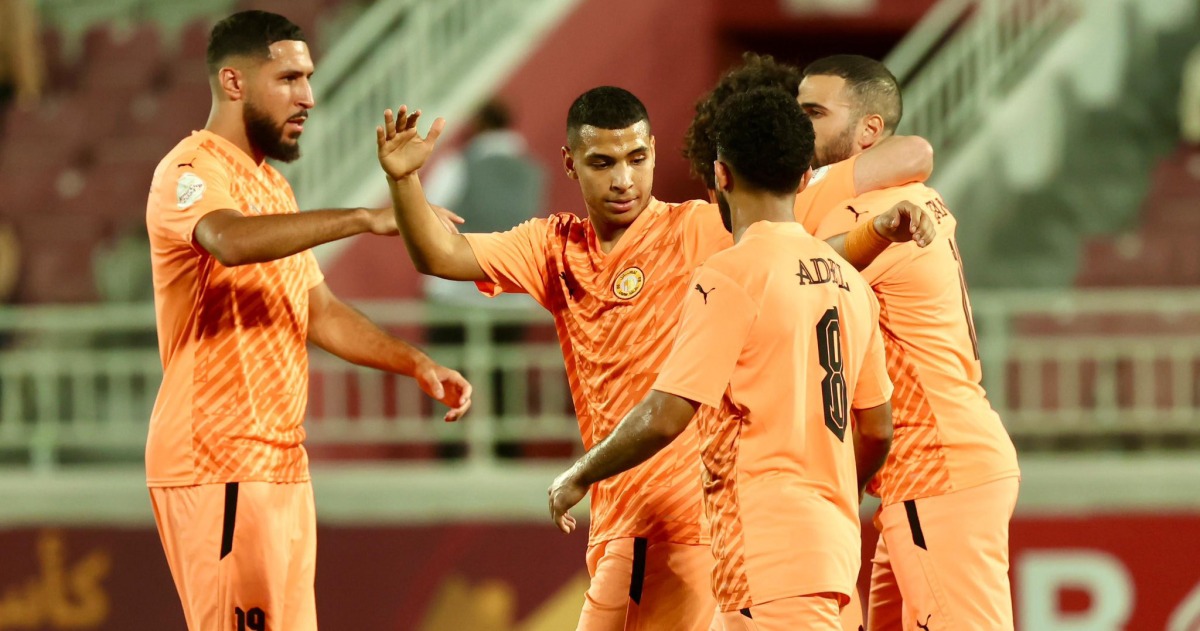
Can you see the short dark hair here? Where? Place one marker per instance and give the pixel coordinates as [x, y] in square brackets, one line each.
[248, 34]
[605, 107]
[765, 139]
[873, 86]
[756, 71]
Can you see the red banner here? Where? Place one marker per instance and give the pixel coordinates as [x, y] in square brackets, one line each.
[1094, 573]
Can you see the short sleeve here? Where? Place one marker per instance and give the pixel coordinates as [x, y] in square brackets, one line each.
[312, 270]
[874, 387]
[829, 185]
[703, 233]
[714, 327]
[516, 261]
[191, 186]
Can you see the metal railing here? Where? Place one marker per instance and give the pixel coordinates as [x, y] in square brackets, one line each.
[965, 55]
[79, 383]
[444, 57]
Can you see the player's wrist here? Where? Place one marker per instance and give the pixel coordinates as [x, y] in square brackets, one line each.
[864, 243]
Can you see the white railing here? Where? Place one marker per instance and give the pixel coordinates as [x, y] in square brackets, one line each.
[965, 55]
[442, 56]
[79, 383]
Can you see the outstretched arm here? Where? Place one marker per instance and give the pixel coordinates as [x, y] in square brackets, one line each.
[645, 431]
[402, 152]
[894, 161]
[345, 332]
[235, 239]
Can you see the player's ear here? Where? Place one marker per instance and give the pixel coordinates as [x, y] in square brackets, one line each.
[232, 82]
[724, 179]
[569, 164]
[804, 180]
[872, 131]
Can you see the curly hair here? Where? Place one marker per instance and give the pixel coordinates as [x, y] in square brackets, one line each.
[765, 139]
[756, 71]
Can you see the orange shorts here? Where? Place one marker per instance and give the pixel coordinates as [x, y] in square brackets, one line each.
[243, 555]
[815, 612]
[942, 562]
[638, 585]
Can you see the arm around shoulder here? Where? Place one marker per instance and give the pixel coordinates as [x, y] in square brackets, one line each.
[895, 161]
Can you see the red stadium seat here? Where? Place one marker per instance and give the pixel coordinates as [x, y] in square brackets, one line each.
[131, 60]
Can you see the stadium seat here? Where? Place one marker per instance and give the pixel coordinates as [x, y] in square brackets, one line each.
[57, 256]
[130, 60]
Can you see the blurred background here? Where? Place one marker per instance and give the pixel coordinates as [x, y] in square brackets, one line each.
[1067, 138]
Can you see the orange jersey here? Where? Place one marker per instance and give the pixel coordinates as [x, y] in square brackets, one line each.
[615, 314]
[232, 339]
[830, 185]
[780, 336]
[947, 436]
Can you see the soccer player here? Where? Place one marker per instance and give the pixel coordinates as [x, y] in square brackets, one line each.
[779, 337]
[890, 161]
[950, 483]
[238, 295]
[614, 282]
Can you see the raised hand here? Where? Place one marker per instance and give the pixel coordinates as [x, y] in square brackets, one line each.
[402, 151]
[906, 222]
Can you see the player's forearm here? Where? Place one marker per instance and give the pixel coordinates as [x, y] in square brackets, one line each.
[432, 248]
[872, 441]
[346, 333]
[646, 430]
[237, 240]
[895, 161]
[860, 247]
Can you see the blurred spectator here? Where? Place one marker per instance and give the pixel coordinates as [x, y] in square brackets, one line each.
[22, 72]
[494, 184]
[1189, 100]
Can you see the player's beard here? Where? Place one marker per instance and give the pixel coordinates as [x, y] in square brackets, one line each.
[726, 211]
[267, 136]
[837, 149]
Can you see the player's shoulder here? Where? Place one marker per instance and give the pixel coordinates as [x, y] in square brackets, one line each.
[192, 155]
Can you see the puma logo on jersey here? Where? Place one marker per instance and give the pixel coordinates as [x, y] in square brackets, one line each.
[857, 213]
[190, 165]
[570, 285]
[925, 626]
[704, 293]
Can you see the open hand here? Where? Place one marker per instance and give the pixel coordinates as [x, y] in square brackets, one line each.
[565, 492]
[906, 222]
[447, 386]
[402, 151]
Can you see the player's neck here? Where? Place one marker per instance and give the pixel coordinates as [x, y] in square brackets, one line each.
[230, 126]
[749, 209]
[607, 236]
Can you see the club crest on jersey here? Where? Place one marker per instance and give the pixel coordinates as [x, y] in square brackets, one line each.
[629, 283]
